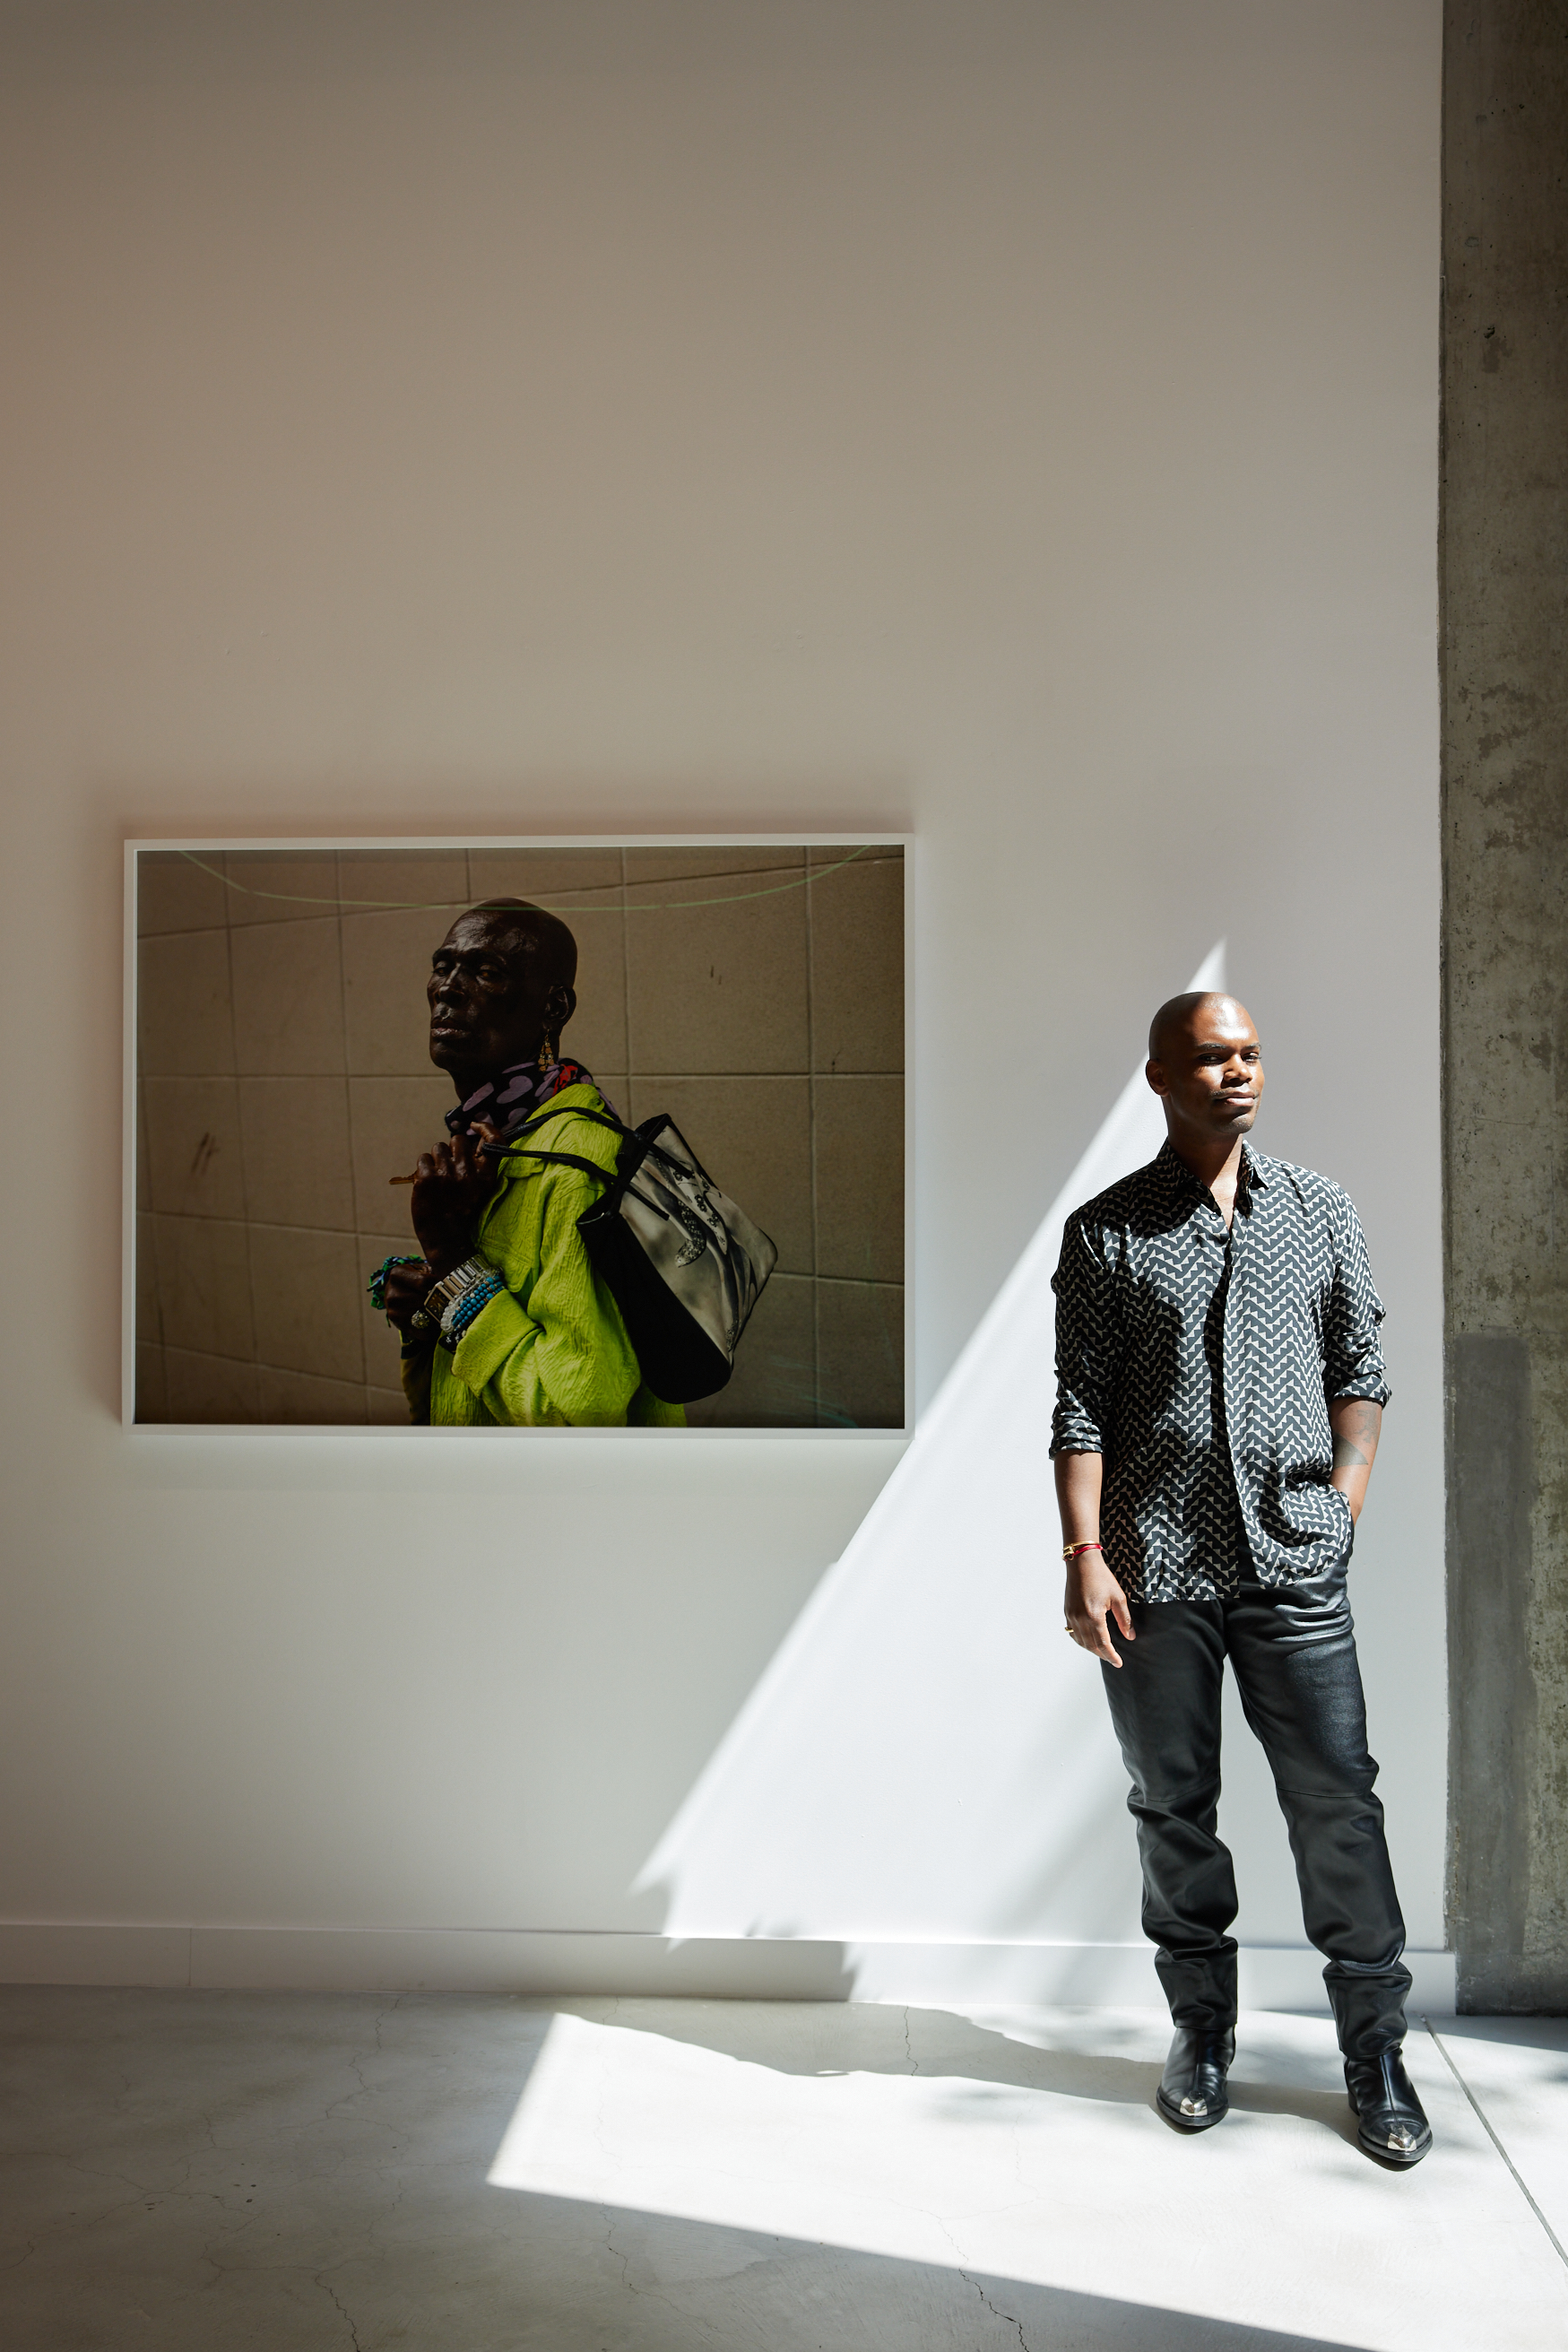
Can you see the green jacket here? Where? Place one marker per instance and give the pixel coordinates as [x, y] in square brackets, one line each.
[551, 1351]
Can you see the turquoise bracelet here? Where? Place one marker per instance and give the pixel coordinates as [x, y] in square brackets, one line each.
[468, 1308]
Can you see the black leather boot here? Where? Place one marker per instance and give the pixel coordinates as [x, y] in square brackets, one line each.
[1192, 2093]
[1391, 2123]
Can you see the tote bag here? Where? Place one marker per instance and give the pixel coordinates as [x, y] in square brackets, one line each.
[684, 1264]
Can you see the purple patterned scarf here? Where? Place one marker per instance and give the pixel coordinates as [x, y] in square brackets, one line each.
[509, 1099]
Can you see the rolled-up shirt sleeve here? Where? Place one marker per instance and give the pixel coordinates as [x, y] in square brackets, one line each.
[1080, 1424]
[1353, 1319]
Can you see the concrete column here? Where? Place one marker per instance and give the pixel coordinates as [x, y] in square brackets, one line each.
[1505, 585]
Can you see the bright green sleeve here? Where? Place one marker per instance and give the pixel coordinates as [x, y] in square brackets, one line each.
[556, 1355]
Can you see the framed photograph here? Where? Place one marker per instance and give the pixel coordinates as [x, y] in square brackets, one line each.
[513, 1134]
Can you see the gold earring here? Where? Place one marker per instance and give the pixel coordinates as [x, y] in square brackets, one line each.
[550, 1053]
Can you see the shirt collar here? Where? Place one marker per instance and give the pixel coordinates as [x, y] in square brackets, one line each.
[1253, 1177]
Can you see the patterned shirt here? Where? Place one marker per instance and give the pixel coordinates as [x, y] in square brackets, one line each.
[1200, 1362]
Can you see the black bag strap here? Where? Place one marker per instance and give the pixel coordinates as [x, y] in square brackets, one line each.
[591, 1168]
[564, 1110]
[597, 1119]
[570, 1160]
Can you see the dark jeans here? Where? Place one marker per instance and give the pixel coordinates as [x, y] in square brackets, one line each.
[1294, 1650]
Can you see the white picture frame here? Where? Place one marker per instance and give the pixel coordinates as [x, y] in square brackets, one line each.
[212, 854]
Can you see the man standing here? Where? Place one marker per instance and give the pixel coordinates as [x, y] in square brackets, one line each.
[1220, 1391]
[503, 1318]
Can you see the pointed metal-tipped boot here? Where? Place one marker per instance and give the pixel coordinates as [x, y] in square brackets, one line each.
[1193, 2093]
[1391, 2123]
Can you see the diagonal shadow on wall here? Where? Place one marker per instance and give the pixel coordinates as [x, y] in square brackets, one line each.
[923, 1759]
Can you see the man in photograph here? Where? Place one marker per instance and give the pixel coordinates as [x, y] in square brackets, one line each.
[502, 1317]
[1220, 1391]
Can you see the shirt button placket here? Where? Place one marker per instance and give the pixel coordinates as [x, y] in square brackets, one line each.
[1227, 1394]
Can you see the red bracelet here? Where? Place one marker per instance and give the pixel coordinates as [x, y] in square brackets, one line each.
[1071, 1551]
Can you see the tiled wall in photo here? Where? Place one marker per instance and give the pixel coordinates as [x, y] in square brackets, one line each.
[284, 1077]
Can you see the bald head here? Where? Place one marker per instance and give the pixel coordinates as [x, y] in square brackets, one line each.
[501, 988]
[1177, 1013]
[1206, 1067]
[530, 931]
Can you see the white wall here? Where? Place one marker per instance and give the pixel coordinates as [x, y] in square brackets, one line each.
[1012, 422]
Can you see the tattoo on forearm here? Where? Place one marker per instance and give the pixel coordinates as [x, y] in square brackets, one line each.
[1356, 1441]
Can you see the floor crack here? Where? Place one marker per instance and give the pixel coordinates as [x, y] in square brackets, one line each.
[381, 2015]
[1006, 2316]
[356, 2069]
[342, 2307]
[612, 2248]
[908, 2047]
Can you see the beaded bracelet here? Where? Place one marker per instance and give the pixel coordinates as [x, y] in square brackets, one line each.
[466, 1309]
[376, 1288]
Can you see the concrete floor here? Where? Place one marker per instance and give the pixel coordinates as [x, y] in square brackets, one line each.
[236, 2172]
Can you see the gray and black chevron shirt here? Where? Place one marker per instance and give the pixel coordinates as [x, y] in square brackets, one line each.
[1200, 1363]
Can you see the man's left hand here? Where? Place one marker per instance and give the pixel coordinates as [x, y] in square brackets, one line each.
[451, 1186]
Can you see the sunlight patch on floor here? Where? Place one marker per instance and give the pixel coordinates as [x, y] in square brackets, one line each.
[1024, 2145]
